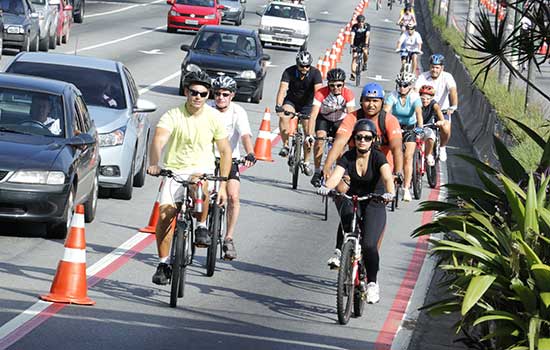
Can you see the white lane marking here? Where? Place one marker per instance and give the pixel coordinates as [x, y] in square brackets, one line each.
[378, 77]
[324, 12]
[122, 9]
[269, 64]
[152, 52]
[22, 318]
[159, 82]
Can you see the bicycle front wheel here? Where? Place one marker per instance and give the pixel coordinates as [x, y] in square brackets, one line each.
[297, 162]
[176, 282]
[359, 296]
[325, 201]
[417, 174]
[358, 67]
[215, 231]
[345, 287]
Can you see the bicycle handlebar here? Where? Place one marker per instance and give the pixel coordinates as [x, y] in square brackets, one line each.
[326, 138]
[370, 196]
[300, 116]
[170, 173]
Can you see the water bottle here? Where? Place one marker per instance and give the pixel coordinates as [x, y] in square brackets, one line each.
[198, 199]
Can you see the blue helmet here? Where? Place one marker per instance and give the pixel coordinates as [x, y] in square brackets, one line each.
[437, 59]
[373, 90]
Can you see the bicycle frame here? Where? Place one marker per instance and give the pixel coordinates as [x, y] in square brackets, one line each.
[296, 142]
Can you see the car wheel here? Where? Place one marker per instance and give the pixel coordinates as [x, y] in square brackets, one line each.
[58, 39]
[125, 192]
[79, 18]
[262, 43]
[139, 178]
[104, 192]
[259, 94]
[171, 30]
[59, 230]
[53, 40]
[91, 204]
[239, 21]
[44, 44]
[65, 38]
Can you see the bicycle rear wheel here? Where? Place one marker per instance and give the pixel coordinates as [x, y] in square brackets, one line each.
[297, 160]
[431, 171]
[214, 226]
[417, 174]
[325, 202]
[345, 288]
[395, 203]
[177, 258]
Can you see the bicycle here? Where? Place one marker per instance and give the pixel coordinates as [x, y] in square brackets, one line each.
[360, 66]
[395, 202]
[406, 65]
[182, 250]
[352, 273]
[296, 142]
[390, 4]
[431, 171]
[378, 4]
[326, 148]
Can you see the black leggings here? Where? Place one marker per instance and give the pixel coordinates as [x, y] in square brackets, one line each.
[374, 224]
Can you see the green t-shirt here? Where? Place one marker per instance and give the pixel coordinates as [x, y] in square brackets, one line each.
[191, 143]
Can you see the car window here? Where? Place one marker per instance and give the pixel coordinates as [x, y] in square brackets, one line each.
[204, 3]
[134, 93]
[99, 87]
[12, 6]
[35, 113]
[225, 43]
[83, 114]
[39, 2]
[291, 12]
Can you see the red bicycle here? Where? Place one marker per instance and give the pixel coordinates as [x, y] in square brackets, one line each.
[420, 165]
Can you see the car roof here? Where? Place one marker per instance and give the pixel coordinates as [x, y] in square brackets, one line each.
[228, 30]
[284, 3]
[68, 60]
[27, 82]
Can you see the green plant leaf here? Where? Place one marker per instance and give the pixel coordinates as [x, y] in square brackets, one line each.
[436, 206]
[467, 192]
[502, 316]
[545, 297]
[534, 329]
[511, 167]
[531, 257]
[527, 297]
[478, 286]
[531, 220]
[544, 344]
[478, 164]
[532, 134]
[541, 200]
[513, 194]
[545, 159]
[489, 184]
[464, 249]
[541, 272]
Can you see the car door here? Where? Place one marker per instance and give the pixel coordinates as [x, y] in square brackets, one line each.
[34, 21]
[138, 120]
[86, 156]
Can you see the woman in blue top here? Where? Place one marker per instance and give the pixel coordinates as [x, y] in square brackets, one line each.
[405, 104]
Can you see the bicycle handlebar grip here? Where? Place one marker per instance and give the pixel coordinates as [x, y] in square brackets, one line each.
[165, 172]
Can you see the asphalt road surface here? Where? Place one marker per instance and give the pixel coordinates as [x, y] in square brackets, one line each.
[279, 293]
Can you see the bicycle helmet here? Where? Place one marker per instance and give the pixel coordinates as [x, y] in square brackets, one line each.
[304, 58]
[223, 82]
[427, 90]
[373, 90]
[199, 77]
[437, 59]
[360, 18]
[336, 74]
[411, 26]
[405, 78]
[408, 7]
[364, 125]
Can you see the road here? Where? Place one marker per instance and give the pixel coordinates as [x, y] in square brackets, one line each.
[279, 294]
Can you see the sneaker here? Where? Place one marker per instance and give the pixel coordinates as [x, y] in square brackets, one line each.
[373, 293]
[307, 169]
[316, 179]
[334, 261]
[229, 249]
[430, 160]
[407, 195]
[163, 274]
[202, 237]
[443, 154]
[352, 77]
[284, 152]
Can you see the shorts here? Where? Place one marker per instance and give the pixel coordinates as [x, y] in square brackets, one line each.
[408, 134]
[234, 172]
[327, 125]
[172, 192]
[429, 133]
[446, 116]
[305, 109]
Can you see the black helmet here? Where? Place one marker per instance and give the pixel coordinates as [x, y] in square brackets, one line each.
[224, 82]
[199, 77]
[336, 74]
[408, 7]
[364, 125]
[303, 58]
[360, 18]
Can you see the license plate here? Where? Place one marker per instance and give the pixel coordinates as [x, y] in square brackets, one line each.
[278, 38]
[192, 22]
[282, 35]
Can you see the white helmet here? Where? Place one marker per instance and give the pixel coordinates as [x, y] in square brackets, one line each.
[405, 78]
[304, 58]
[224, 82]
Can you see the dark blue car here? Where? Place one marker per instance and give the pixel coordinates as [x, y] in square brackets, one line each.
[229, 51]
[48, 153]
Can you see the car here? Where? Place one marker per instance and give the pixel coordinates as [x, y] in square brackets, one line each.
[230, 51]
[48, 19]
[65, 21]
[193, 14]
[284, 23]
[119, 113]
[49, 161]
[21, 27]
[234, 11]
[78, 10]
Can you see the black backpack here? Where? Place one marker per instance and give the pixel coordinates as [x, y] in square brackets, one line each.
[381, 125]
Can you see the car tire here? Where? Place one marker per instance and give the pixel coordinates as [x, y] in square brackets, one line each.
[239, 21]
[91, 204]
[58, 39]
[79, 18]
[259, 94]
[171, 30]
[53, 40]
[104, 192]
[139, 178]
[44, 44]
[125, 192]
[58, 230]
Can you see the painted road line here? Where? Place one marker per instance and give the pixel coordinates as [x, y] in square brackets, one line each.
[159, 82]
[120, 10]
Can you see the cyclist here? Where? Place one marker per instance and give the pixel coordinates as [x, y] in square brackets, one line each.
[296, 89]
[405, 104]
[369, 172]
[406, 17]
[445, 94]
[187, 134]
[330, 105]
[410, 44]
[430, 111]
[360, 39]
[235, 120]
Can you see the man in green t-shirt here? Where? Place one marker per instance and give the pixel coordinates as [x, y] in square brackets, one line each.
[187, 134]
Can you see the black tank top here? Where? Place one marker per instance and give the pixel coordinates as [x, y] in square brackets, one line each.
[428, 112]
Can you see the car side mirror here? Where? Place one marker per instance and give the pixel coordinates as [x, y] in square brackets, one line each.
[170, 2]
[265, 57]
[54, 2]
[184, 47]
[144, 106]
[34, 15]
[81, 140]
[220, 7]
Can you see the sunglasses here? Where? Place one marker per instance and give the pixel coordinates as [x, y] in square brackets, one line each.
[305, 67]
[336, 85]
[198, 93]
[404, 85]
[224, 94]
[367, 138]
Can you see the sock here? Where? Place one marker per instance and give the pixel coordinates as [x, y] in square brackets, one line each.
[164, 260]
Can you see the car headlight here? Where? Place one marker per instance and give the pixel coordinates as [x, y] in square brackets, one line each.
[113, 138]
[192, 68]
[213, 16]
[15, 30]
[174, 13]
[38, 177]
[248, 74]
[233, 9]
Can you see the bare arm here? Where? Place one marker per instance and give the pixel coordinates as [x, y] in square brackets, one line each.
[387, 178]
[335, 177]
[283, 88]
[396, 147]
[453, 96]
[419, 117]
[247, 143]
[350, 109]
[317, 87]
[438, 114]
[225, 166]
[159, 141]
[312, 118]
[338, 146]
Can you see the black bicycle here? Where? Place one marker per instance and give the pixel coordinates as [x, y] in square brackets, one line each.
[431, 171]
[360, 65]
[296, 142]
[395, 202]
[327, 145]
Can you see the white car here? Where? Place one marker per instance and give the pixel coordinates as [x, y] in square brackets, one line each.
[284, 23]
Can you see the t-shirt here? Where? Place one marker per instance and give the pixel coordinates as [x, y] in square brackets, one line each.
[360, 34]
[393, 131]
[428, 112]
[410, 42]
[235, 120]
[333, 107]
[301, 89]
[53, 125]
[404, 112]
[406, 19]
[362, 185]
[192, 137]
[442, 85]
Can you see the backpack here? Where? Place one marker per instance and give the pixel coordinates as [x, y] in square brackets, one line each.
[381, 125]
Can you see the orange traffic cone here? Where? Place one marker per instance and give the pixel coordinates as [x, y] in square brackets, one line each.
[154, 218]
[543, 49]
[262, 148]
[69, 284]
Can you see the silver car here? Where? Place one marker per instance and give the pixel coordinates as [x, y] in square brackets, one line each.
[47, 10]
[119, 114]
[233, 11]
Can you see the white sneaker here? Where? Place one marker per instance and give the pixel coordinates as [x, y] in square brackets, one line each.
[407, 195]
[443, 154]
[373, 293]
[334, 261]
[430, 160]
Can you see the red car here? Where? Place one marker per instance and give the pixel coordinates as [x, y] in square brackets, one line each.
[65, 21]
[193, 14]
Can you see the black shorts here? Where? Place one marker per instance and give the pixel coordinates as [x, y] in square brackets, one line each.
[329, 126]
[300, 108]
[234, 172]
[408, 133]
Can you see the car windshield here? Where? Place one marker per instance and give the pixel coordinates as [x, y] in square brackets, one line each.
[290, 12]
[39, 2]
[226, 44]
[204, 3]
[99, 87]
[28, 112]
[12, 6]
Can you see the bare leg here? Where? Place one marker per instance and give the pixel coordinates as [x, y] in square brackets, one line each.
[408, 167]
[164, 230]
[233, 206]
[319, 144]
